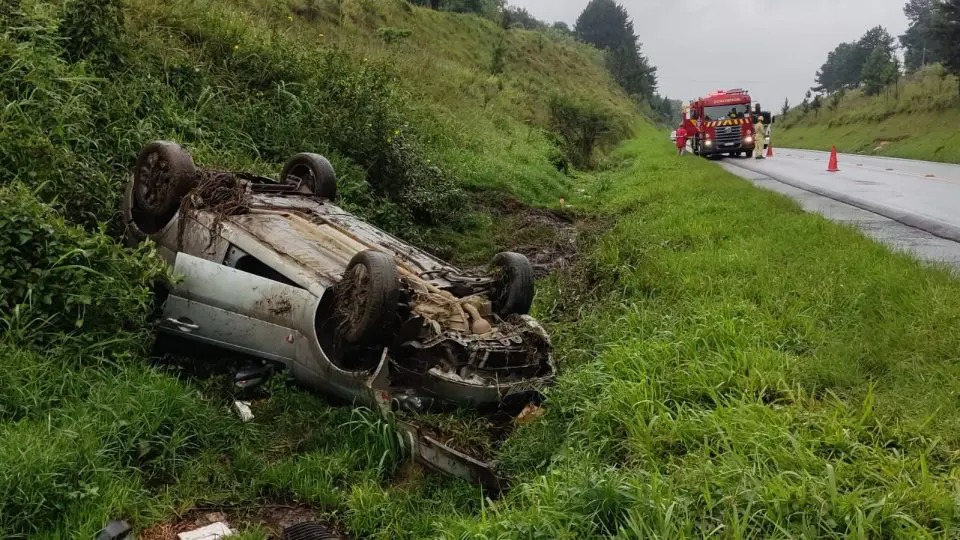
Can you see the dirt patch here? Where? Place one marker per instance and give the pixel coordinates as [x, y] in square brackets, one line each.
[548, 238]
[279, 306]
[274, 518]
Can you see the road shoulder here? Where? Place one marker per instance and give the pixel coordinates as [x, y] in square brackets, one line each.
[899, 234]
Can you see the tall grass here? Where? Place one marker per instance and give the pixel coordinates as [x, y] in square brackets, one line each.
[730, 366]
[742, 369]
[88, 430]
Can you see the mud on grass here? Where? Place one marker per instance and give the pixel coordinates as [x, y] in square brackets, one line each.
[553, 239]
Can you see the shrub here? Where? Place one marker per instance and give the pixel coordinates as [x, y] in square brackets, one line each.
[393, 35]
[56, 279]
[498, 62]
[583, 126]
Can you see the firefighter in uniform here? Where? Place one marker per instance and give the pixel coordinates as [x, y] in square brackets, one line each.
[759, 135]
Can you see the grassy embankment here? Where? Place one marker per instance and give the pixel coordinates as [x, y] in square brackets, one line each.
[916, 121]
[730, 365]
[429, 133]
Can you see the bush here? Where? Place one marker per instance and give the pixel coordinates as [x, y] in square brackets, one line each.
[56, 280]
[498, 62]
[393, 35]
[583, 126]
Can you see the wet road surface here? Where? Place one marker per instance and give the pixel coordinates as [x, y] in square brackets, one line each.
[909, 205]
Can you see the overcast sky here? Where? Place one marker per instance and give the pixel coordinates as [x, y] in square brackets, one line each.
[703, 45]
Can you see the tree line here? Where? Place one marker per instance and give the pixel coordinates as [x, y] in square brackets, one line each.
[871, 63]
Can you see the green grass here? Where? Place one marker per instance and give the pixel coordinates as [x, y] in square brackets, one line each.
[730, 366]
[488, 130]
[740, 367]
[917, 120]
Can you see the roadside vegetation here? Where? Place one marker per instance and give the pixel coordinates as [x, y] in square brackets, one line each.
[913, 120]
[867, 101]
[432, 119]
[729, 364]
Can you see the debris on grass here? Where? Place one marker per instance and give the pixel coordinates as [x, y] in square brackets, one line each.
[272, 517]
[116, 530]
[530, 414]
[470, 431]
[242, 409]
[214, 531]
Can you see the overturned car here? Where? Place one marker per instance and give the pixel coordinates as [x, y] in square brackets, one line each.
[274, 271]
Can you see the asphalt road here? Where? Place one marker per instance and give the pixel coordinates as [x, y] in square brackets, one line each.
[908, 205]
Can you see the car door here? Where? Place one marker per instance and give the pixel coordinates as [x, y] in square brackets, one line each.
[230, 308]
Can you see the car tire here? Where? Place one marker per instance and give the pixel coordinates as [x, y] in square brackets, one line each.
[367, 297]
[315, 171]
[163, 174]
[309, 530]
[514, 290]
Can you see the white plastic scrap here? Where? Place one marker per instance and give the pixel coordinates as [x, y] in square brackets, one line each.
[214, 531]
[243, 409]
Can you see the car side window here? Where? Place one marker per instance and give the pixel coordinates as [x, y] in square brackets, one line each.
[244, 262]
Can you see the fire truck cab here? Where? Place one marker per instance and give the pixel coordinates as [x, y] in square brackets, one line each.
[724, 123]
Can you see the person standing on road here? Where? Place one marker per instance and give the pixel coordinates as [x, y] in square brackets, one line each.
[681, 140]
[759, 135]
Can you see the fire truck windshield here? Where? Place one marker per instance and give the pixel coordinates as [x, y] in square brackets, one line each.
[723, 111]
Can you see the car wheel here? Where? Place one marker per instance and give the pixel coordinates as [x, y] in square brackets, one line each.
[367, 297]
[514, 290]
[309, 530]
[164, 173]
[315, 171]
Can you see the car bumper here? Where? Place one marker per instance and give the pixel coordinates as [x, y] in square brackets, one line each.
[726, 148]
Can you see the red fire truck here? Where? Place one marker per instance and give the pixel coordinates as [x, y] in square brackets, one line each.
[723, 123]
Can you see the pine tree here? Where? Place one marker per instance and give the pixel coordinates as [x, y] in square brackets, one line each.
[879, 71]
[786, 107]
[606, 25]
[845, 65]
[919, 42]
[946, 30]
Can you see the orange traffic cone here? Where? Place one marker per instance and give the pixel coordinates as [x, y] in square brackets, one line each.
[832, 166]
[770, 150]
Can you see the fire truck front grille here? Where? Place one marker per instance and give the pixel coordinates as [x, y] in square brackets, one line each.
[728, 134]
